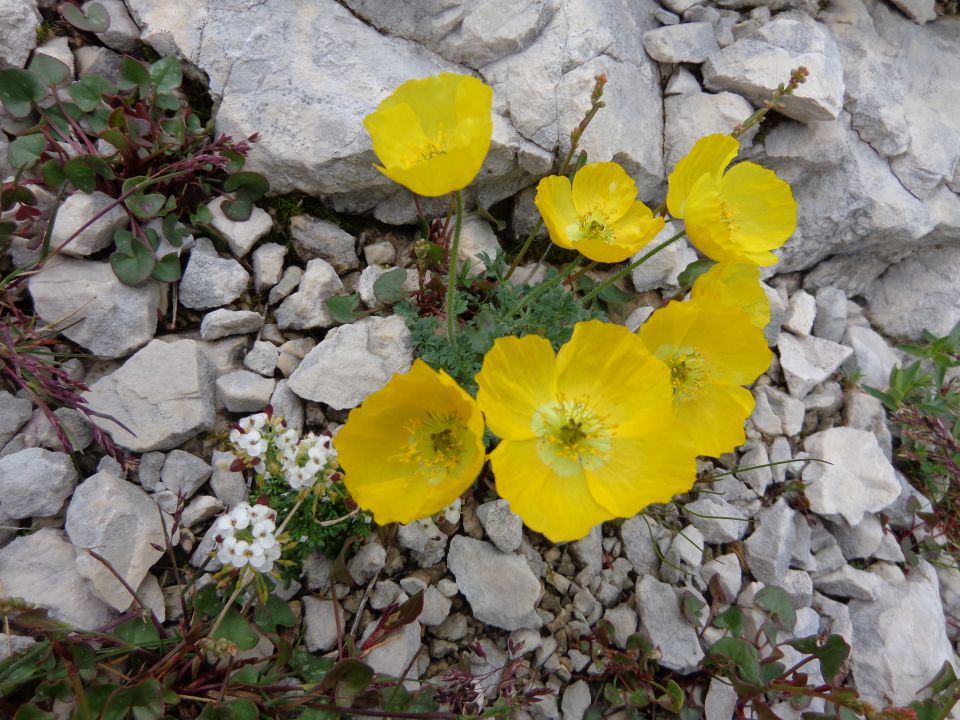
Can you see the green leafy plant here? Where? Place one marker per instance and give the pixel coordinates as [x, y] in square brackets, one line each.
[138, 141]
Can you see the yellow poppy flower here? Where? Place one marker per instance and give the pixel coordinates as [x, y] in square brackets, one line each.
[734, 286]
[587, 434]
[413, 446]
[598, 215]
[710, 353]
[740, 215]
[433, 134]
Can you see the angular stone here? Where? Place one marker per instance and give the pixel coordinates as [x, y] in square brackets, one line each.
[353, 361]
[243, 235]
[755, 65]
[644, 543]
[691, 42]
[221, 323]
[244, 391]
[424, 540]
[919, 293]
[262, 358]
[368, 561]
[306, 308]
[716, 519]
[858, 479]
[164, 394]
[78, 209]
[394, 655]
[200, 510]
[500, 587]
[35, 482]
[801, 313]
[477, 238]
[267, 265]
[287, 405]
[807, 361]
[503, 527]
[831, 314]
[315, 238]
[19, 19]
[873, 358]
[665, 626]
[726, 570]
[42, 568]
[183, 473]
[769, 548]
[211, 281]
[899, 640]
[664, 268]
[287, 284]
[14, 412]
[321, 625]
[120, 522]
[691, 114]
[93, 308]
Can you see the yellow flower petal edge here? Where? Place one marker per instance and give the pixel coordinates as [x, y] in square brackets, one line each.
[598, 215]
[432, 134]
[413, 447]
[710, 354]
[591, 433]
[709, 155]
[735, 286]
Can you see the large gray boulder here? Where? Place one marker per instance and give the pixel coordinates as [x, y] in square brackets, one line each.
[19, 20]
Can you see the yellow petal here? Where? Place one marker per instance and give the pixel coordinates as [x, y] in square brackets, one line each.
[610, 370]
[736, 286]
[392, 466]
[605, 189]
[715, 420]
[644, 470]
[704, 223]
[554, 200]
[517, 378]
[708, 156]
[762, 206]
[559, 507]
[432, 134]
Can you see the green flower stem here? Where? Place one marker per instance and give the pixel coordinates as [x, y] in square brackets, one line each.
[452, 277]
[245, 577]
[523, 249]
[629, 268]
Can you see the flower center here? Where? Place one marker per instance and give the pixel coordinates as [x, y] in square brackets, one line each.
[594, 226]
[727, 217]
[436, 444]
[688, 371]
[432, 148]
[571, 436]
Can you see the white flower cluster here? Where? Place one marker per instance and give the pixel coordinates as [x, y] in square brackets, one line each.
[252, 435]
[246, 536]
[303, 462]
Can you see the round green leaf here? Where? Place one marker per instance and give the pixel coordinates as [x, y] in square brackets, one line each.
[19, 89]
[26, 150]
[82, 171]
[166, 74]
[93, 18]
[239, 208]
[237, 630]
[167, 268]
[254, 183]
[132, 264]
[50, 70]
[134, 74]
[145, 206]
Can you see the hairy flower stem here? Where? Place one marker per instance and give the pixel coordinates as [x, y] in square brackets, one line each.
[632, 266]
[452, 277]
[797, 78]
[595, 104]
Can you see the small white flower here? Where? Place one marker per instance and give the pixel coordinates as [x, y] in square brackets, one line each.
[451, 512]
[252, 443]
[260, 512]
[253, 422]
[235, 436]
[240, 516]
[238, 555]
[263, 532]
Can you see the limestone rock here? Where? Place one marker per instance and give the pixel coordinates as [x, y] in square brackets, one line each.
[691, 42]
[19, 19]
[34, 482]
[899, 640]
[664, 268]
[243, 235]
[120, 523]
[183, 473]
[807, 361]
[769, 548]
[211, 281]
[123, 35]
[665, 626]
[872, 357]
[306, 308]
[477, 238]
[321, 626]
[691, 115]
[163, 394]
[426, 543]
[221, 323]
[76, 211]
[353, 361]
[315, 238]
[500, 587]
[95, 309]
[858, 480]
[14, 412]
[503, 527]
[755, 65]
[243, 391]
[42, 569]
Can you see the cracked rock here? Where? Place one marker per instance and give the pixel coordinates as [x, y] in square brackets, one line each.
[807, 361]
[35, 482]
[353, 361]
[211, 281]
[500, 587]
[315, 238]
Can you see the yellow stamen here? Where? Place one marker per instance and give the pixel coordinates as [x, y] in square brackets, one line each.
[571, 436]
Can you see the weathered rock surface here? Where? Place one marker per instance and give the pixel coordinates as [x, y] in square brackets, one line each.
[500, 587]
[95, 309]
[19, 19]
[35, 482]
[163, 394]
[353, 361]
[665, 626]
[306, 308]
[78, 209]
[14, 412]
[42, 568]
[211, 281]
[120, 522]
